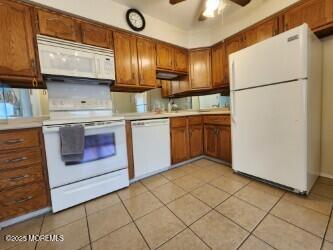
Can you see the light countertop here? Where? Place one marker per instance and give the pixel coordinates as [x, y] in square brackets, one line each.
[22, 123]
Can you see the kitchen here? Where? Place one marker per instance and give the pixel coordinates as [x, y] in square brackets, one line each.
[165, 129]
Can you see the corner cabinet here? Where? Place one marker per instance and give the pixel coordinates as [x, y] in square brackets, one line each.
[200, 69]
[17, 50]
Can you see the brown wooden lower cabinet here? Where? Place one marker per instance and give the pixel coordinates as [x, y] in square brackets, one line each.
[217, 137]
[23, 176]
[196, 135]
[179, 140]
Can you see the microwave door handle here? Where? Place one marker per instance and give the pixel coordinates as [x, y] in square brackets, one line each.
[98, 67]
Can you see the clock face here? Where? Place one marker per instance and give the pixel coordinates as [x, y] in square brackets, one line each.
[135, 20]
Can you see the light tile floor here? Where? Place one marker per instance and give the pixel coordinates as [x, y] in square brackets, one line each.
[202, 205]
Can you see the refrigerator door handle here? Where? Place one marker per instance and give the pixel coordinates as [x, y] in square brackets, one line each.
[232, 107]
[232, 80]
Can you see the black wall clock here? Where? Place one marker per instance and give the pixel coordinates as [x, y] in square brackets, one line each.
[135, 20]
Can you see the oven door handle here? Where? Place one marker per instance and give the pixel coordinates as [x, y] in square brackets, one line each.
[55, 128]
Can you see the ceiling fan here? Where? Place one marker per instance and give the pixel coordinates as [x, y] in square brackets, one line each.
[209, 8]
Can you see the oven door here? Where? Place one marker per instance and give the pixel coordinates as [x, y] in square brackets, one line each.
[105, 152]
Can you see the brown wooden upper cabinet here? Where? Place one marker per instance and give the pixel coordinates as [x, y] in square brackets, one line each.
[59, 26]
[218, 65]
[17, 51]
[126, 59]
[164, 55]
[200, 68]
[316, 13]
[180, 60]
[147, 62]
[261, 32]
[96, 35]
[171, 58]
[232, 45]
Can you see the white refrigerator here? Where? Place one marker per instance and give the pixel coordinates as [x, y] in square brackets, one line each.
[276, 109]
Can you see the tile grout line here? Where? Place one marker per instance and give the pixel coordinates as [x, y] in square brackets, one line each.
[85, 210]
[251, 233]
[134, 222]
[183, 223]
[40, 231]
[327, 226]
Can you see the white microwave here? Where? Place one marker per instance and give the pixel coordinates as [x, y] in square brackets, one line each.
[63, 58]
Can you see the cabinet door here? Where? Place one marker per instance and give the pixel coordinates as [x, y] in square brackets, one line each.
[267, 29]
[52, 24]
[95, 35]
[196, 140]
[180, 60]
[125, 59]
[17, 55]
[179, 144]
[224, 143]
[166, 88]
[218, 65]
[200, 69]
[261, 32]
[232, 45]
[315, 13]
[210, 140]
[164, 55]
[147, 62]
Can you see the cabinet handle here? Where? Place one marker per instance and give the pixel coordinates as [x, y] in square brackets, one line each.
[15, 141]
[17, 178]
[34, 83]
[23, 200]
[16, 159]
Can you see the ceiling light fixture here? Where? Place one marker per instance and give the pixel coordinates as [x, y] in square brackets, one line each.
[211, 7]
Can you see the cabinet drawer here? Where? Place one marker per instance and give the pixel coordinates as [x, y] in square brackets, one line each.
[18, 177]
[195, 120]
[20, 158]
[22, 200]
[217, 119]
[178, 122]
[19, 139]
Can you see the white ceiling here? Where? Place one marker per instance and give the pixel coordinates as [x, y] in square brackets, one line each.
[183, 15]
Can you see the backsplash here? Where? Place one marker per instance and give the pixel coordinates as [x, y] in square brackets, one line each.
[25, 103]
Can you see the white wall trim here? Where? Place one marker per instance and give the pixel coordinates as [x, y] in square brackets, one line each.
[326, 175]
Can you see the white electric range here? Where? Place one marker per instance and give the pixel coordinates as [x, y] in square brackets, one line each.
[104, 167]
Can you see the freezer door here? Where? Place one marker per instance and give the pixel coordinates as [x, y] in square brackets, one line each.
[269, 138]
[278, 59]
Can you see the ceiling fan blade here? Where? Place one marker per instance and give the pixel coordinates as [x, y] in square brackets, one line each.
[241, 2]
[175, 1]
[201, 9]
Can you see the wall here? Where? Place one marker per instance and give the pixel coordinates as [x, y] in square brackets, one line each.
[112, 13]
[327, 109]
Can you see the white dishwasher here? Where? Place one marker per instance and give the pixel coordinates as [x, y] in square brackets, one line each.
[151, 147]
